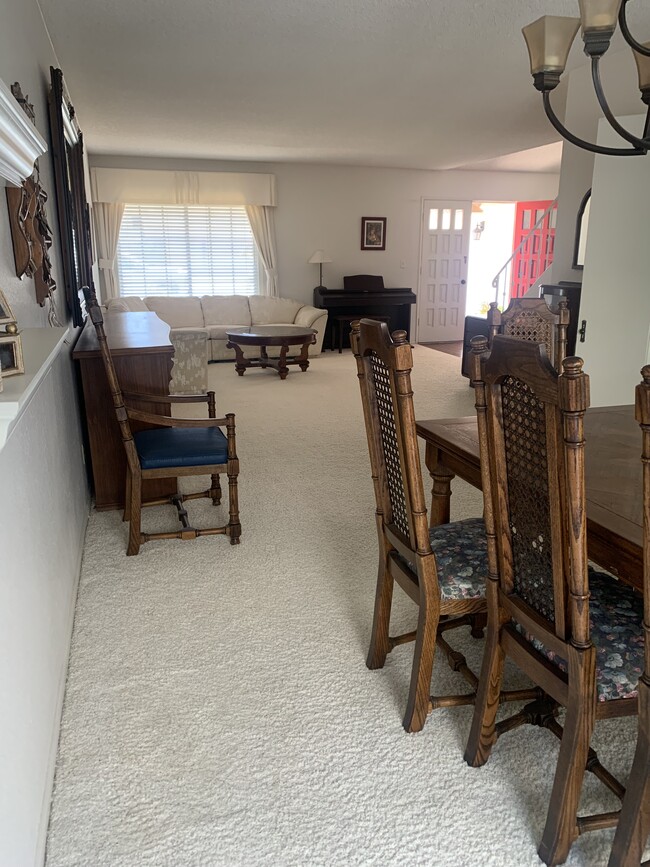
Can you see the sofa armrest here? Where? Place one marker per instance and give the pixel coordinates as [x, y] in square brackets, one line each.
[307, 315]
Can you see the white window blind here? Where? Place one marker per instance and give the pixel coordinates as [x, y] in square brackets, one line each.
[181, 250]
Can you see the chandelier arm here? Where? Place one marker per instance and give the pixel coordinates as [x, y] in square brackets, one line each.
[625, 30]
[581, 143]
[602, 101]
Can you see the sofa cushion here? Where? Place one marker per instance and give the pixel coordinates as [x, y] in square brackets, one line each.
[218, 332]
[273, 311]
[225, 309]
[127, 304]
[177, 312]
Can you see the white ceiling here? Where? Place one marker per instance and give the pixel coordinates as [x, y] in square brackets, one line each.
[410, 83]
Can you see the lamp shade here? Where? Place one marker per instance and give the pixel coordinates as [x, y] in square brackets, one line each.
[549, 40]
[318, 258]
[643, 67]
[598, 15]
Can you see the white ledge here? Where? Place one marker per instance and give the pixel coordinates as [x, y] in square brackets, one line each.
[20, 142]
[41, 347]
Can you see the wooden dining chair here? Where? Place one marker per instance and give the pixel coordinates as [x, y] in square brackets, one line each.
[532, 319]
[442, 569]
[576, 633]
[634, 823]
[174, 447]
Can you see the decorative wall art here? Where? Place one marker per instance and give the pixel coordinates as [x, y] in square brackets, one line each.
[31, 235]
[72, 204]
[373, 233]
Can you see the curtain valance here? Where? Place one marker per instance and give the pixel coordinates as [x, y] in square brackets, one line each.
[153, 187]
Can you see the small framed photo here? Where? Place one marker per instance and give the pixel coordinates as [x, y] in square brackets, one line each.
[11, 355]
[6, 315]
[373, 233]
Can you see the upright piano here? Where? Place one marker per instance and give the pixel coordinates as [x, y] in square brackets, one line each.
[364, 295]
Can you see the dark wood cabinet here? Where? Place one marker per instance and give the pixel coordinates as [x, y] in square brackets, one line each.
[142, 353]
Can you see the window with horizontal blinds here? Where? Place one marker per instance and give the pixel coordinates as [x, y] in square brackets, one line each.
[180, 250]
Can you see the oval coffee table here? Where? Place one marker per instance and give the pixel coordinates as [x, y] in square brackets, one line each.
[271, 335]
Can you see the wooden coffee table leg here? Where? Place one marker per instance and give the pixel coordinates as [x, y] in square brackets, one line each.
[240, 360]
[283, 370]
[264, 357]
[303, 358]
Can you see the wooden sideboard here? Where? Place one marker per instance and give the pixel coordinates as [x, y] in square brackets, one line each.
[142, 353]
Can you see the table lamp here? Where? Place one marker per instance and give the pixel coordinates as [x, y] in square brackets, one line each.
[317, 259]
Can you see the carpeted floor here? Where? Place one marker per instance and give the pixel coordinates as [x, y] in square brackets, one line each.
[218, 708]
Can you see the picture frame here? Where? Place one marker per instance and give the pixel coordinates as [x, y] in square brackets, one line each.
[373, 233]
[6, 316]
[11, 355]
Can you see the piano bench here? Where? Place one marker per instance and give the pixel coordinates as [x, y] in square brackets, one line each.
[341, 321]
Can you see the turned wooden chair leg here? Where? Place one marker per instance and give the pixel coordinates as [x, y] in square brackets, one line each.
[215, 490]
[417, 707]
[234, 527]
[634, 823]
[379, 640]
[135, 538]
[561, 822]
[482, 733]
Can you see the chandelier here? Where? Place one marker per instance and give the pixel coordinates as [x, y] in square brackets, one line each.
[549, 41]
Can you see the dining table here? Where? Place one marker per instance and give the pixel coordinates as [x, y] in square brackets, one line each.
[613, 481]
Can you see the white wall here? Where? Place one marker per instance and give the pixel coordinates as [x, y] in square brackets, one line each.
[582, 117]
[320, 207]
[616, 301]
[45, 514]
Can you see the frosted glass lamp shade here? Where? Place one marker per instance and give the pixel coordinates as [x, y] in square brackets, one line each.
[318, 258]
[549, 40]
[643, 67]
[599, 15]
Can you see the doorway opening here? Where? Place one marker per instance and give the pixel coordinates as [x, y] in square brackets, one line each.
[490, 245]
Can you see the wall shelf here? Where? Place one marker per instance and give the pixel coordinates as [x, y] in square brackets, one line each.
[41, 347]
[20, 142]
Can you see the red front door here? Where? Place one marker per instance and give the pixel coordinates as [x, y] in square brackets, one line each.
[536, 254]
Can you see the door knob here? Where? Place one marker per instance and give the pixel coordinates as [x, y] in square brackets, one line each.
[462, 282]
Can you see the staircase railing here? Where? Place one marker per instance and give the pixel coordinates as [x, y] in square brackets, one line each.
[501, 282]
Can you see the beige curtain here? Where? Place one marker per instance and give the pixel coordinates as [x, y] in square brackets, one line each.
[263, 227]
[107, 217]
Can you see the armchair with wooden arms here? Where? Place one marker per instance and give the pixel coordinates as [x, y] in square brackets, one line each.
[577, 633]
[175, 447]
[443, 569]
[532, 319]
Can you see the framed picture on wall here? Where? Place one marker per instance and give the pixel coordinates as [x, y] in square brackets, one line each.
[373, 233]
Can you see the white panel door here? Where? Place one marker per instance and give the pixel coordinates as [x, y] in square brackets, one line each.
[443, 270]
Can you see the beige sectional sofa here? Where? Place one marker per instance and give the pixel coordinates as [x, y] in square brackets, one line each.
[217, 313]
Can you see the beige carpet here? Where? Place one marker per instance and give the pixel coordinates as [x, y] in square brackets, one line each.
[218, 709]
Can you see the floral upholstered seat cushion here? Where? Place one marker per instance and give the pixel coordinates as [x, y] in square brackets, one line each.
[616, 624]
[460, 549]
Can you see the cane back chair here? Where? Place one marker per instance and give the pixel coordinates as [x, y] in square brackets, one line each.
[532, 319]
[443, 570]
[576, 633]
[634, 823]
[175, 447]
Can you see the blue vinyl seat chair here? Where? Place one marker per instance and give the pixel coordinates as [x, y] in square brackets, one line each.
[175, 447]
